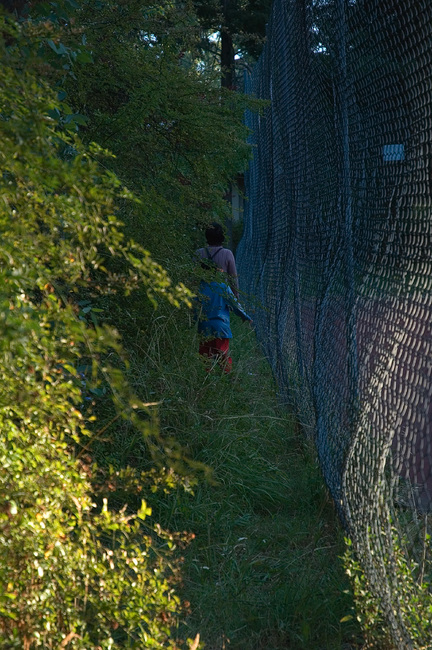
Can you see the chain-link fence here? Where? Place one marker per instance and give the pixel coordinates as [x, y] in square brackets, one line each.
[337, 253]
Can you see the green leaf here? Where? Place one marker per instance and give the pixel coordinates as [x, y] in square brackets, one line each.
[144, 511]
[52, 45]
[84, 57]
[98, 392]
[347, 618]
[54, 113]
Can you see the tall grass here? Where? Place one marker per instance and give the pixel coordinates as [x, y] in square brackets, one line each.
[264, 570]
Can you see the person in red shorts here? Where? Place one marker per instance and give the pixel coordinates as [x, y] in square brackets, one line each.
[214, 303]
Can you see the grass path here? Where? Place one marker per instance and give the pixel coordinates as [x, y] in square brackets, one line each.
[264, 571]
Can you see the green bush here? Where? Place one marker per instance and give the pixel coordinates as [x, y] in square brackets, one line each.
[404, 590]
[178, 138]
[72, 574]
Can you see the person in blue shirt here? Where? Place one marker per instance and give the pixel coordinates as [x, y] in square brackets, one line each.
[214, 303]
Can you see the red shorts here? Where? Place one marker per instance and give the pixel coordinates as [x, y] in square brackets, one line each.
[217, 349]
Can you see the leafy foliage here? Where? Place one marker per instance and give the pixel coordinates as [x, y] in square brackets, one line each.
[245, 20]
[178, 140]
[72, 574]
[410, 596]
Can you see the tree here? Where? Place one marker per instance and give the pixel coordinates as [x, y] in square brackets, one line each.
[178, 141]
[16, 6]
[242, 27]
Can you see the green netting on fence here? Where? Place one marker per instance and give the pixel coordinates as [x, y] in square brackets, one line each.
[337, 256]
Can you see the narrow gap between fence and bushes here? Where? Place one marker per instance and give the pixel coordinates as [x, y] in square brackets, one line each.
[264, 570]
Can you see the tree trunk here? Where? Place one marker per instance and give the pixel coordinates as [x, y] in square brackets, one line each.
[20, 8]
[14, 6]
[227, 51]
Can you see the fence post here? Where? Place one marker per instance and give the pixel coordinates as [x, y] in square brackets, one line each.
[347, 206]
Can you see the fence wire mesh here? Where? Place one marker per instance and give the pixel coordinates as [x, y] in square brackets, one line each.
[337, 253]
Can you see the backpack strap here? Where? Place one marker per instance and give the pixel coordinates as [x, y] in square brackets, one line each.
[209, 256]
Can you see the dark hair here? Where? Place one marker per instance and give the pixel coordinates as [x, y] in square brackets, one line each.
[214, 234]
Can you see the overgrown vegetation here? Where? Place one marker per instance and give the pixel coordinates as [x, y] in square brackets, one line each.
[108, 419]
[406, 594]
[72, 574]
[77, 570]
[178, 138]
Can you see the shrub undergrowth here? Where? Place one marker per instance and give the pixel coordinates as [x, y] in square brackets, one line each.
[73, 573]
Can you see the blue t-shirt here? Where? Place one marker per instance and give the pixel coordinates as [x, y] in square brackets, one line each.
[214, 302]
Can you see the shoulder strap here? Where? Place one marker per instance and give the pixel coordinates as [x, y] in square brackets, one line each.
[209, 256]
